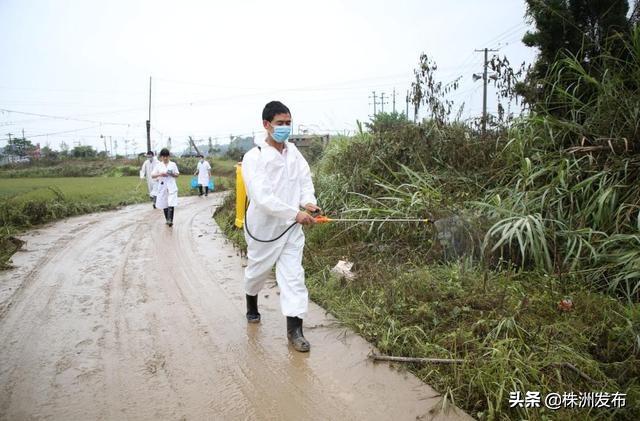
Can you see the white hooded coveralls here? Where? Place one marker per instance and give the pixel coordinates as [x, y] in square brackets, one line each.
[167, 186]
[277, 184]
[146, 171]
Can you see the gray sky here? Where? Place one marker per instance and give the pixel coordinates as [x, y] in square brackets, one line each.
[215, 64]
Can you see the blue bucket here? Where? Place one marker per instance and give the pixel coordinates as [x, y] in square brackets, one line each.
[194, 183]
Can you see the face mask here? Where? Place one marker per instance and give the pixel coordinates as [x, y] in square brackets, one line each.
[281, 133]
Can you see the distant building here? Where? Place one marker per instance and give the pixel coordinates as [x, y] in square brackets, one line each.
[307, 140]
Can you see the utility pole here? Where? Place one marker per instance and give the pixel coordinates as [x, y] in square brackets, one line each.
[104, 139]
[382, 101]
[375, 103]
[484, 91]
[192, 143]
[407, 101]
[149, 121]
[10, 146]
[394, 100]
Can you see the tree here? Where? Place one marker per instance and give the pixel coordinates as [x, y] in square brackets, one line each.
[48, 153]
[234, 153]
[383, 122]
[64, 148]
[19, 146]
[83, 152]
[428, 91]
[584, 29]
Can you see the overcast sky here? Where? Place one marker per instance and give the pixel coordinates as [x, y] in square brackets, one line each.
[215, 64]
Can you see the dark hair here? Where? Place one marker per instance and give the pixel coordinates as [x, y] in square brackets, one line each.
[150, 153]
[164, 152]
[272, 109]
[200, 156]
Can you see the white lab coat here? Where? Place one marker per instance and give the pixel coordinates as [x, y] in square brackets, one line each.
[167, 186]
[146, 171]
[277, 184]
[203, 173]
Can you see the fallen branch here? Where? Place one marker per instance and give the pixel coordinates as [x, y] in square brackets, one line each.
[575, 370]
[377, 357]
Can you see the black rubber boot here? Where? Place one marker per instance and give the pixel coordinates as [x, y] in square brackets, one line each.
[166, 215]
[252, 309]
[206, 191]
[170, 218]
[200, 188]
[295, 336]
[153, 200]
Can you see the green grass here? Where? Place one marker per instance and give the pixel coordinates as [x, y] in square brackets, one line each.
[92, 190]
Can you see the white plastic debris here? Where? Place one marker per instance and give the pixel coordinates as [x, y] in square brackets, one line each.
[343, 270]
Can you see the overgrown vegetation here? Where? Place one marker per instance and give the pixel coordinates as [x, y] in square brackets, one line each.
[545, 294]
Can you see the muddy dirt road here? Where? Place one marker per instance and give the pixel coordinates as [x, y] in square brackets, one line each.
[115, 316]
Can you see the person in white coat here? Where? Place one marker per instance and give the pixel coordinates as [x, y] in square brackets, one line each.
[146, 171]
[278, 183]
[204, 174]
[166, 172]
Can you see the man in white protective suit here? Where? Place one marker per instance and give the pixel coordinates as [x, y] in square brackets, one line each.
[278, 183]
[145, 172]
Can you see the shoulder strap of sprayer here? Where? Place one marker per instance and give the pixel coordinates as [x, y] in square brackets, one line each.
[247, 196]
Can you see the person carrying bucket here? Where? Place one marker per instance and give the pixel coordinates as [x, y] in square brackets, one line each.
[203, 171]
[278, 183]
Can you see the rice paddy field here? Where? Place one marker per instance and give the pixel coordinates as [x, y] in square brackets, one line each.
[100, 191]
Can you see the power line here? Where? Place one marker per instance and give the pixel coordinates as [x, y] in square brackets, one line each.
[506, 33]
[63, 132]
[54, 117]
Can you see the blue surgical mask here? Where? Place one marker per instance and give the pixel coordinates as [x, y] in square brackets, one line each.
[281, 133]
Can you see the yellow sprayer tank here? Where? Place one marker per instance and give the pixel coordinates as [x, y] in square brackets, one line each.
[241, 197]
